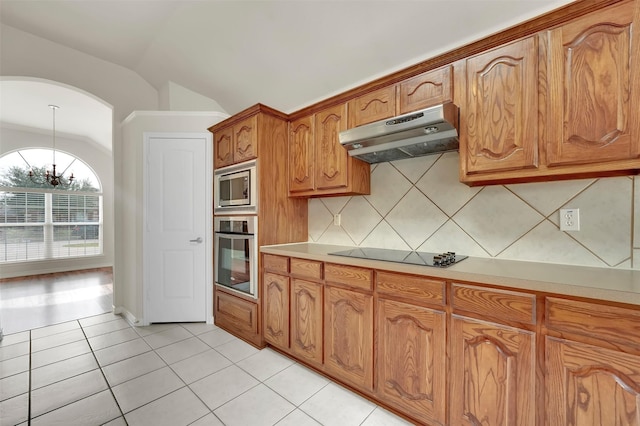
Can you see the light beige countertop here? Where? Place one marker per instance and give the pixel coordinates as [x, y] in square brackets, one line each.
[615, 285]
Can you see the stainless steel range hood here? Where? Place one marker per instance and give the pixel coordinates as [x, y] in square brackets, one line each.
[428, 131]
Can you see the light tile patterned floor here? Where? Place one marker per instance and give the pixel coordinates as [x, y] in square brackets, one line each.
[101, 371]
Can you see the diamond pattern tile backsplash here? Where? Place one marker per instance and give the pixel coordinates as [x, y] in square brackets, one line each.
[419, 204]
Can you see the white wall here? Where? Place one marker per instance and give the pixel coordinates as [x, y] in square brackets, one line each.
[101, 163]
[128, 253]
[174, 97]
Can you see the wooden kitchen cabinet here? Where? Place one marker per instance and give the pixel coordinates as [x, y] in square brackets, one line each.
[306, 320]
[236, 143]
[276, 309]
[348, 336]
[593, 88]
[492, 379]
[501, 110]
[411, 359]
[318, 164]
[238, 315]
[422, 91]
[493, 364]
[589, 385]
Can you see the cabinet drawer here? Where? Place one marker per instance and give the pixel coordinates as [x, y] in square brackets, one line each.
[610, 323]
[236, 313]
[306, 268]
[501, 304]
[419, 289]
[349, 275]
[275, 263]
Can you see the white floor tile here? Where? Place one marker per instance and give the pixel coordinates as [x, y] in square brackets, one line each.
[115, 337]
[105, 327]
[265, 364]
[200, 366]
[12, 339]
[167, 337]
[297, 383]
[197, 328]
[147, 388]
[267, 408]
[182, 350]
[237, 350]
[208, 420]
[12, 351]
[334, 405]
[217, 337]
[59, 353]
[153, 328]
[382, 417]
[13, 386]
[223, 386]
[61, 393]
[131, 368]
[14, 410]
[54, 340]
[62, 370]
[14, 366]
[297, 418]
[93, 410]
[98, 319]
[122, 351]
[116, 422]
[181, 407]
[37, 333]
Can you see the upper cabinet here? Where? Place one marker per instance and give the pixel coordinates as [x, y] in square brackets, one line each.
[562, 103]
[593, 88]
[236, 143]
[422, 91]
[318, 164]
[502, 105]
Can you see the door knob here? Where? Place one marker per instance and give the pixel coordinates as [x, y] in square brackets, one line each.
[197, 240]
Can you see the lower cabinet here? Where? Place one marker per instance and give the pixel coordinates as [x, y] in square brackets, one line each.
[492, 379]
[276, 309]
[411, 359]
[237, 315]
[306, 320]
[588, 385]
[348, 336]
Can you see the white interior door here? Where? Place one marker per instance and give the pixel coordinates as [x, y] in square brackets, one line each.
[176, 228]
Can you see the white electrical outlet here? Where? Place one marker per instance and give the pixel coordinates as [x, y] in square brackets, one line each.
[569, 219]
[336, 219]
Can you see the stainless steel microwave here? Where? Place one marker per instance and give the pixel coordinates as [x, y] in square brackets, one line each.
[235, 188]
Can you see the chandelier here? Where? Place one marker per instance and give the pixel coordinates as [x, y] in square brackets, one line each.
[51, 177]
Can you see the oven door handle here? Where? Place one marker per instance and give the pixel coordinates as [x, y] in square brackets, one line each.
[234, 236]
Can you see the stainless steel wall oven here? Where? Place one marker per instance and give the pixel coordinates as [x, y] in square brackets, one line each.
[236, 251]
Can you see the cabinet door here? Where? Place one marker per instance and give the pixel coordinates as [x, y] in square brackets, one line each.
[373, 106]
[306, 320]
[492, 374]
[592, 91]
[245, 136]
[238, 316]
[348, 339]
[331, 157]
[276, 309]
[301, 155]
[427, 89]
[223, 148]
[502, 109]
[587, 385]
[411, 361]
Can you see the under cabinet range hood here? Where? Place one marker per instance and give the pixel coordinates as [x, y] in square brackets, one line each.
[428, 131]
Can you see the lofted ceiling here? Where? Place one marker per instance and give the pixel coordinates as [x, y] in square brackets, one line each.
[285, 54]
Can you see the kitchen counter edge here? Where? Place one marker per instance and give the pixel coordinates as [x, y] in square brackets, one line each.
[610, 284]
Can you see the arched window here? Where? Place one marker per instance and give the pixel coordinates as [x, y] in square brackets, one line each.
[42, 222]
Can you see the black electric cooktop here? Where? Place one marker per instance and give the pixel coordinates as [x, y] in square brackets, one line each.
[440, 260]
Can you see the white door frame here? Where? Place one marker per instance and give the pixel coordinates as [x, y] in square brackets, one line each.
[208, 240]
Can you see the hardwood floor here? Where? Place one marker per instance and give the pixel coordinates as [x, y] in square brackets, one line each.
[41, 300]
